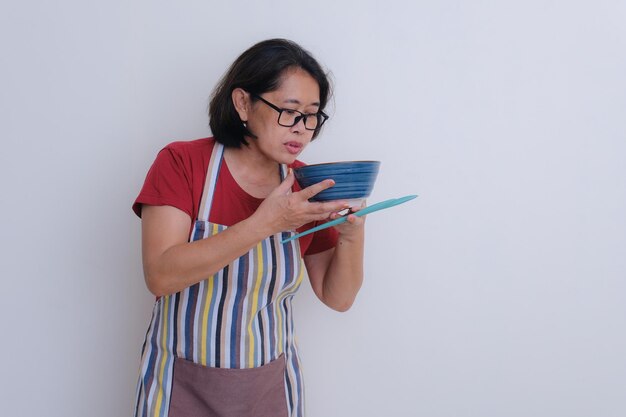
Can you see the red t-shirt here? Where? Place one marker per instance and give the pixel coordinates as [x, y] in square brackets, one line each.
[177, 178]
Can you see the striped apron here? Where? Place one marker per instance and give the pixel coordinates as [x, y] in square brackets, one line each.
[226, 346]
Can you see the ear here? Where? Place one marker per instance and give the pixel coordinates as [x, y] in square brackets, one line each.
[241, 101]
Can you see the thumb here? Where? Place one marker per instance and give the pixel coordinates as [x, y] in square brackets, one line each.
[286, 185]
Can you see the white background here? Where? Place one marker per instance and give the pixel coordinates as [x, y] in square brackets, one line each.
[500, 291]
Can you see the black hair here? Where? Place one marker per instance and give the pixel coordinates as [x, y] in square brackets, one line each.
[258, 70]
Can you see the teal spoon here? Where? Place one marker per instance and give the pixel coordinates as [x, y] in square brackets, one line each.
[367, 210]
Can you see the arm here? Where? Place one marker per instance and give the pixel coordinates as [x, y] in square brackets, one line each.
[171, 263]
[336, 275]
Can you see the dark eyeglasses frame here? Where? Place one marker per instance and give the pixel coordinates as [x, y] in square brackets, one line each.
[303, 116]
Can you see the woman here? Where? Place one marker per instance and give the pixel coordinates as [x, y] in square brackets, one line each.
[221, 339]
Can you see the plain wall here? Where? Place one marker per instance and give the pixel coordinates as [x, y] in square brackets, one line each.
[500, 291]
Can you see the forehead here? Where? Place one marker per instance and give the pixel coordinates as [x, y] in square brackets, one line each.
[297, 84]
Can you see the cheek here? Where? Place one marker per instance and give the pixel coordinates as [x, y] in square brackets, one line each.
[269, 133]
[259, 125]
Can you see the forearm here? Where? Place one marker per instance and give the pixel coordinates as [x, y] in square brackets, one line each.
[186, 264]
[172, 264]
[344, 276]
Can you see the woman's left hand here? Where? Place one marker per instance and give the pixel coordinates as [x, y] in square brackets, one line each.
[354, 224]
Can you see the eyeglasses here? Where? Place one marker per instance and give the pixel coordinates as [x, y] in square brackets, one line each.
[289, 117]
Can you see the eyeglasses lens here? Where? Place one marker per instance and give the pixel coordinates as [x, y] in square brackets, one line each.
[290, 118]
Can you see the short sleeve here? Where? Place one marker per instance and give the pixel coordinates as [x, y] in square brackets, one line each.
[168, 183]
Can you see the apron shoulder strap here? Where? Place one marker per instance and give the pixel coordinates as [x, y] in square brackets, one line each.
[210, 182]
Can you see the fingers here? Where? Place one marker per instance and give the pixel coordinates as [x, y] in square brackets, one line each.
[335, 215]
[356, 220]
[350, 214]
[354, 209]
[314, 189]
[284, 186]
[351, 219]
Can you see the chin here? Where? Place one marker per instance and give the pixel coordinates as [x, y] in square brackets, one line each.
[290, 159]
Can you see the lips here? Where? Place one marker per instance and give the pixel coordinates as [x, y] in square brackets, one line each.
[293, 147]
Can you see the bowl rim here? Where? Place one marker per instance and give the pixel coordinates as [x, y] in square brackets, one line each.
[336, 162]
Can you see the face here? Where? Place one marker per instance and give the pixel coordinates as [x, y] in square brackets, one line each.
[297, 91]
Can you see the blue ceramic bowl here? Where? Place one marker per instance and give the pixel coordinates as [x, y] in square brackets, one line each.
[353, 179]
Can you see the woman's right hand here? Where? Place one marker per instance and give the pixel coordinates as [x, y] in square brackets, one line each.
[285, 210]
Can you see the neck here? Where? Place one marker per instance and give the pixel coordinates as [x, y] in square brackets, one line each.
[252, 170]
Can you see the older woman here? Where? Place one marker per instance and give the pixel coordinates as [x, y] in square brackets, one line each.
[214, 211]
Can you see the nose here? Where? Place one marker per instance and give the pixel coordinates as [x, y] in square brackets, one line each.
[299, 126]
